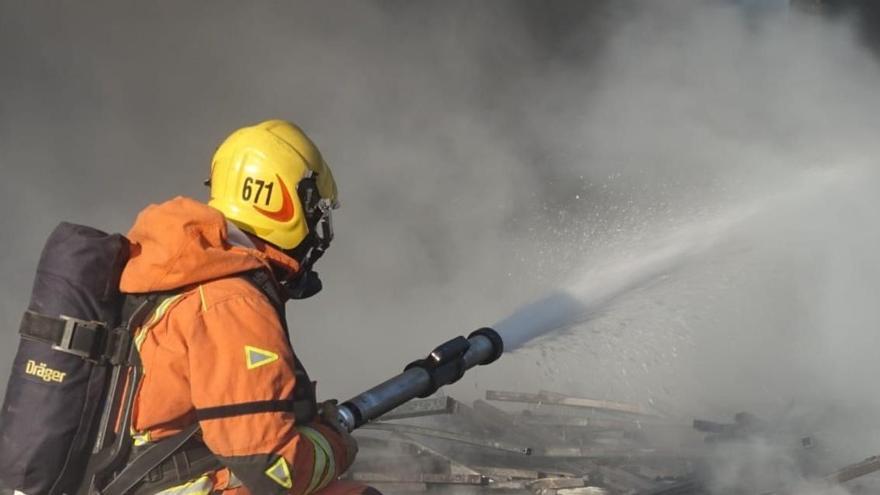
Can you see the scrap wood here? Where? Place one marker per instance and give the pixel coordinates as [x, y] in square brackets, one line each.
[547, 466]
[535, 435]
[555, 483]
[428, 478]
[507, 473]
[611, 477]
[446, 435]
[507, 485]
[424, 407]
[587, 490]
[551, 420]
[455, 466]
[616, 453]
[744, 425]
[853, 471]
[486, 443]
[844, 474]
[551, 398]
[619, 479]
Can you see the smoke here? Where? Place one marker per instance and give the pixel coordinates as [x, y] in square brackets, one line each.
[757, 466]
[108, 108]
[489, 153]
[702, 114]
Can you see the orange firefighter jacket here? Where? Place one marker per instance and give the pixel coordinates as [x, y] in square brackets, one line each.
[219, 342]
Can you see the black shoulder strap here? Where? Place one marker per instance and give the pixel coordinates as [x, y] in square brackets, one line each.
[262, 280]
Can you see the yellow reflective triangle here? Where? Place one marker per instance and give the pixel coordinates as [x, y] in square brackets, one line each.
[256, 357]
[280, 473]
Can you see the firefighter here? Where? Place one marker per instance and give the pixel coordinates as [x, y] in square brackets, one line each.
[216, 350]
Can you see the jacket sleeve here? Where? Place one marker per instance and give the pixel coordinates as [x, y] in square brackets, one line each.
[239, 357]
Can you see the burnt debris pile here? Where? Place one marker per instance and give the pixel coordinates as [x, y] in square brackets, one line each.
[548, 443]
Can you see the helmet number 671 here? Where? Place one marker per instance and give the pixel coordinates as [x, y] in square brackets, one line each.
[247, 191]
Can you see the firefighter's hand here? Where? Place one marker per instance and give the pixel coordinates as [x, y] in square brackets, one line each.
[330, 416]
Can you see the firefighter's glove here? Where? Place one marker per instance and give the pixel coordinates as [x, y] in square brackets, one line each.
[330, 417]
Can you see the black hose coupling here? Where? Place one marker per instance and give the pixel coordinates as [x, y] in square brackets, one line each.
[493, 337]
[444, 365]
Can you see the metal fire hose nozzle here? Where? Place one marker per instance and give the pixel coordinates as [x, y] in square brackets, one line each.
[446, 364]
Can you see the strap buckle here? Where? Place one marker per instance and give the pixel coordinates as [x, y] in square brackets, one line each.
[72, 326]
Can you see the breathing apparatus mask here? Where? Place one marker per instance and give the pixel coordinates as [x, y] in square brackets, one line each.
[318, 214]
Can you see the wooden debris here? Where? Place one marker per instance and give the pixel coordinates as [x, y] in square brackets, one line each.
[506, 473]
[853, 471]
[423, 407]
[587, 490]
[551, 398]
[445, 435]
[535, 435]
[507, 485]
[600, 452]
[427, 478]
[597, 447]
[555, 484]
[550, 420]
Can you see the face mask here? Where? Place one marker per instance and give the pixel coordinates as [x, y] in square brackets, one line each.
[318, 214]
[304, 286]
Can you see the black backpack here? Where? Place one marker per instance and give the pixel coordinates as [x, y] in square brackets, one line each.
[72, 342]
[76, 374]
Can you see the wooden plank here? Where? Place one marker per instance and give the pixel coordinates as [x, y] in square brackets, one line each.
[455, 466]
[555, 483]
[616, 453]
[587, 490]
[507, 485]
[847, 473]
[622, 480]
[507, 473]
[535, 436]
[446, 435]
[427, 478]
[550, 421]
[853, 471]
[551, 398]
[424, 407]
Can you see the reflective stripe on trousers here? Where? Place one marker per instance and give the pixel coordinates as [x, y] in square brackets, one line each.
[201, 486]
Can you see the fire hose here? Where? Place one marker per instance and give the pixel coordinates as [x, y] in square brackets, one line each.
[445, 365]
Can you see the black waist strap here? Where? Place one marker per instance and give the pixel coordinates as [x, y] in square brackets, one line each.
[146, 462]
[193, 460]
[303, 410]
[169, 461]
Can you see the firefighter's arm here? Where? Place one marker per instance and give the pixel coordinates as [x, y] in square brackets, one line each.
[241, 368]
[330, 417]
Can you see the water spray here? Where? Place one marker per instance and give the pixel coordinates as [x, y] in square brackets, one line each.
[600, 287]
[610, 280]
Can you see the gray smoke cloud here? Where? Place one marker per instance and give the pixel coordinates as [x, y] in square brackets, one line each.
[421, 110]
[489, 153]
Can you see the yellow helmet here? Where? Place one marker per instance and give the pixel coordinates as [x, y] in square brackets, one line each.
[256, 180]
